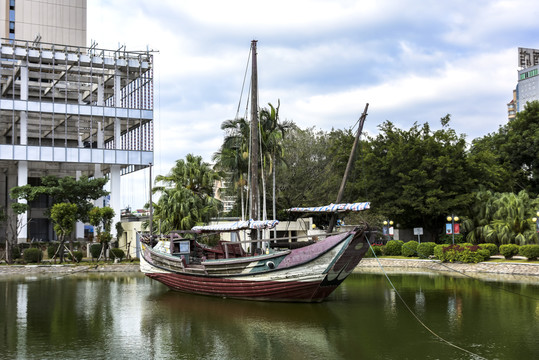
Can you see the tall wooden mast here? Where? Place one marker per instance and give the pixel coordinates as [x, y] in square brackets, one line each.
[333, 219]
[254, 142]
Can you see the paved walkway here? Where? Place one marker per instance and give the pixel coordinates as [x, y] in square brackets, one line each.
[506, 268]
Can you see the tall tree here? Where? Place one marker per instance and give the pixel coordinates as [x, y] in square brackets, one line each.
[416, 176]
[510, 154]
[272, 133]
[64, 216]
[65, 190]
[187, 197]
[232, 159]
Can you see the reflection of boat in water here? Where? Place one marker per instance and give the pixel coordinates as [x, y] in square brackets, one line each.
[306, 274]
[233, 330]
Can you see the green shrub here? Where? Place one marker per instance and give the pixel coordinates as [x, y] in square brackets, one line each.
[448, 239]
[409, 248]
[95, 250]
[529, 251]
[508, 250]
[15, 252]
[374, 250]
[492, 248]
[393, 248]
[116, 253]
[461, 253]
[51, 250]
[77, 254]
[426, 249]
[32, 255]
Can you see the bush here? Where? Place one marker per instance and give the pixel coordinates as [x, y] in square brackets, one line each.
[508, 250]
[409, 248]
[393, 248]
[95, 250]
[529, 251]
[448, 239]
[426, 249]
[51, 250]
[77, 254]
[32, 255]
[492, 248]
[461, 253]
[374, 250]
[15, 252]
[117, 253]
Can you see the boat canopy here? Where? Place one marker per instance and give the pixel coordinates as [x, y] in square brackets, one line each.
[238, 225]
[331, 208]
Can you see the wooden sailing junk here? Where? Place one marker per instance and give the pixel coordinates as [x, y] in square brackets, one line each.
[306, 274]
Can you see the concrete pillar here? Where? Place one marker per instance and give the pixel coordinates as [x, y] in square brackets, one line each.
[79, 226]
[23, 136]
[115, 195]
[117, 89]
[117, 101]
[100, 92]
[24, 82]
[22, 179]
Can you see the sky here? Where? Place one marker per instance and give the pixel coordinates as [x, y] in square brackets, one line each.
[412, 61]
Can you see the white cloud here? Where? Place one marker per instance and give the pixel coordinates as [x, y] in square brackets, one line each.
[412, 61]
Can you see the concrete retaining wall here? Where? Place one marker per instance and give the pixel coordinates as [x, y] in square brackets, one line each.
[482, 267]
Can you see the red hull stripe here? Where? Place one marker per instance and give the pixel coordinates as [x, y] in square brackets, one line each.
[254, 290]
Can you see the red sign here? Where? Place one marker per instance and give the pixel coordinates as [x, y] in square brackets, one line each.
[457, 228]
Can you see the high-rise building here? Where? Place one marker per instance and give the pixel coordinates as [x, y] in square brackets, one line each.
[528, 80]
[67, 109]
[51, 21]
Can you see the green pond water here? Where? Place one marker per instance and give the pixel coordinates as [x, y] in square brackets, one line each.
[128, 316]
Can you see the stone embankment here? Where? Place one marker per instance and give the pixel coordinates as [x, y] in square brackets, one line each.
[494, 268]
[66, 268]
[366, 265]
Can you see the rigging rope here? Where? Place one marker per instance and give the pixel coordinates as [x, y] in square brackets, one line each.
[243, 84]
[415, 315]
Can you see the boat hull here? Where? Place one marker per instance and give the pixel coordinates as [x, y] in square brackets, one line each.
[307, 274]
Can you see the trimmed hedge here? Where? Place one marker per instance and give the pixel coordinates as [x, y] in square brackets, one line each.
[377, 249]
[425, 249]
[509, 250]
[77, 254]
[32, 255]
[460, 252]
[117, 253]
[51, 250]
[529, 251]
[409, 248]
[95, 250]
[492, 248]
[393, 248]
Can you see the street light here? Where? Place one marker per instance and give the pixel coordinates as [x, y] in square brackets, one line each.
[388, 225]
[453, 219]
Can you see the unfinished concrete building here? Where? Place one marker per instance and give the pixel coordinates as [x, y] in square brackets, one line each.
[72, 110]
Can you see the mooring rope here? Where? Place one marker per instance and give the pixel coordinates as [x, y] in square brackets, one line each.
[415, 315]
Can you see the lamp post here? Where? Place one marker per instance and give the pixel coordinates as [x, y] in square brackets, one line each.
[453, 219]
[388, 224]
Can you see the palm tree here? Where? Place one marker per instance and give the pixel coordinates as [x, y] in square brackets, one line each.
[501, 218]
[513, 222]
[272, 133]
[187, 195]
[478, 225]
[233, 157]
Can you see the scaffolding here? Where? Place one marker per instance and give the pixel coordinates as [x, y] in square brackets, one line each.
[77, 105]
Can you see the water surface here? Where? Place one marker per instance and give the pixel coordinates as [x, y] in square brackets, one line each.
[128, 316]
